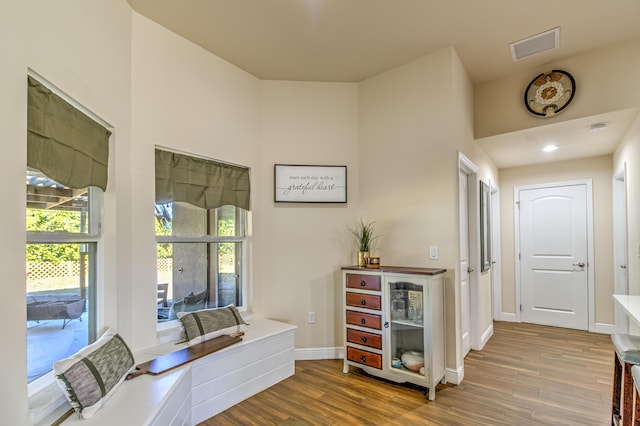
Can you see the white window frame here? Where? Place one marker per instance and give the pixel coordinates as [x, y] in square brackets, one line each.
[62, 237]
[209, 239]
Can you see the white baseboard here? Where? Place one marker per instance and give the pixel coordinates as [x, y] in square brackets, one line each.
[454, 376]
[486, 336]
[307, 354]
[507, 316]
[604, 328]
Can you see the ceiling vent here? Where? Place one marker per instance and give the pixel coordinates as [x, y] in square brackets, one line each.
[535, 44]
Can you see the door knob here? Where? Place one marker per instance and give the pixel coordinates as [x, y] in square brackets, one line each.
[469, 270]
[581, 264]
[623, 266]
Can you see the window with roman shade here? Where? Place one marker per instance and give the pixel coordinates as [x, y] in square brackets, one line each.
[203, 183]
[67, 161]
[201, 233]
[64, 143]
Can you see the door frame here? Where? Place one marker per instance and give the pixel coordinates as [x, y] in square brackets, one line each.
[620, 245]
[591, 304]
[466, 166]
[496, 263]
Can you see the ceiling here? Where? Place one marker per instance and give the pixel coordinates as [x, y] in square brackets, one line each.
[573, 138]
[351, 40]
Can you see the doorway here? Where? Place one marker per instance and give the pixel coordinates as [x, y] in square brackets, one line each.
[468, 203]
[554, 254]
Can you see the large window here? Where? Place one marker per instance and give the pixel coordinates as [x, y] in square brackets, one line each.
[201, 232]
[67, 164]
[200, 257]
[62, 234]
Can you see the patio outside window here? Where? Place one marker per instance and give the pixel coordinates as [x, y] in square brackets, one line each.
[62, 235]
[200, 257]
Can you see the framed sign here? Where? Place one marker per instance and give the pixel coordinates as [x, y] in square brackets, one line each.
[310, 184]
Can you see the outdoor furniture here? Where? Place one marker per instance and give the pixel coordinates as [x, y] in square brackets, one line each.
[627, 354]
[163, 290]
[191, 302]
[51, 306]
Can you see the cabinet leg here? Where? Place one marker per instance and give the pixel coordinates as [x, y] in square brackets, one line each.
[345, 368]
[432, 395]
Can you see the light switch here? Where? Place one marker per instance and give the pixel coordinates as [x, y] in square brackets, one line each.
[433, 252]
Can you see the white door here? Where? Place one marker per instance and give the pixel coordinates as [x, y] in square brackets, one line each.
[553, 252]
[465, 308]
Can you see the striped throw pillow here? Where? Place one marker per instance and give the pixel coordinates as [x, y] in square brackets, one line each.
[207, 324]
[90, 376]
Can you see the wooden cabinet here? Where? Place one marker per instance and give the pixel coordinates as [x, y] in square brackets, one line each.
[394, 323]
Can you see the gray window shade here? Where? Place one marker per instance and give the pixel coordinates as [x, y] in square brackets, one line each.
[203, 183]
[64, 143]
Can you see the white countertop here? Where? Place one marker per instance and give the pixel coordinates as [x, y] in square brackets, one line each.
[630, 304]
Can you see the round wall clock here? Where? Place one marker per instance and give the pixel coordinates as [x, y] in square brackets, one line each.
[549, 93]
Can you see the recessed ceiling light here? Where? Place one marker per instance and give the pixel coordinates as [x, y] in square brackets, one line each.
[550, 148]
[597, 127]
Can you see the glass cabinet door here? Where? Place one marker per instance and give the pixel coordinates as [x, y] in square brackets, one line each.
[406, 326]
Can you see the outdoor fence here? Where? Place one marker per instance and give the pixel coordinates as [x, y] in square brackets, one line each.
[69, 269]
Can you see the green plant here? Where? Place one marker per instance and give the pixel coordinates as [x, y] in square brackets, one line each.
[363, 234]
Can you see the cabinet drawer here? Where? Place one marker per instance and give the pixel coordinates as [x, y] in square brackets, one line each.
[363, 338]
[364, 320]
[363, 300]
[364, 357]
[365, 282]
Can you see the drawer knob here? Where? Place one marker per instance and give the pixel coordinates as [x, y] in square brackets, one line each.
[363, 339]
[363, 321]
[363, 358]
[363, 302]
[363, 283]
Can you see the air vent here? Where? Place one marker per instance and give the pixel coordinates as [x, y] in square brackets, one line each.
[535, 44]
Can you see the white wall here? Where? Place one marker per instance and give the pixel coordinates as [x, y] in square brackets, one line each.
[302, 246]
[414, 120]
[82, 47]
[629, 152]
[186, 99]
[606, 80]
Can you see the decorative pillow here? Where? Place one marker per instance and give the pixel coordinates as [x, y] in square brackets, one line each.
[207, 324]
[90, 376]
[192, 299]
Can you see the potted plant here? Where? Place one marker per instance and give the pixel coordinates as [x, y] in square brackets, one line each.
[364, 236]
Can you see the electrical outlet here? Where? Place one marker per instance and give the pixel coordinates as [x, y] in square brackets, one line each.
[433, 252]
[312, 318]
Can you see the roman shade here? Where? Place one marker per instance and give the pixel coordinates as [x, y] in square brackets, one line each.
[63, 142]
[200, 182]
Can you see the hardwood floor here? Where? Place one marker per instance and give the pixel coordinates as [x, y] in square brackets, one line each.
[526, 375]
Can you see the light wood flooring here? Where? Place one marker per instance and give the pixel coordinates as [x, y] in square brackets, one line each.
[526, 375]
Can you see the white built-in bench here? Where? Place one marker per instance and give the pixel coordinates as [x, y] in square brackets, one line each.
[203, 388]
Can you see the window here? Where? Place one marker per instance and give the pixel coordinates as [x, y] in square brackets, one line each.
[67, 164]
[201, 232]
[62, 234]
[200, 257]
